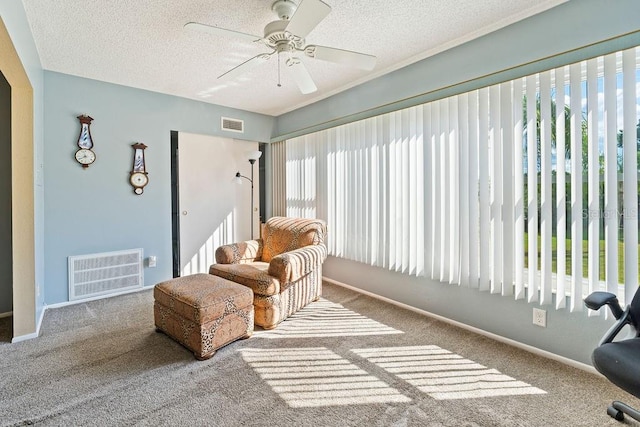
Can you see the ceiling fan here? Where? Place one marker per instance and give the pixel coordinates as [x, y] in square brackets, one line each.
[286, 36]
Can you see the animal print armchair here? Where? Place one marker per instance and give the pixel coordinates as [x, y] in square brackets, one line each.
[283, 268]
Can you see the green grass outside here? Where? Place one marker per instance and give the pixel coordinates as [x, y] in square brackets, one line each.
[585, 257]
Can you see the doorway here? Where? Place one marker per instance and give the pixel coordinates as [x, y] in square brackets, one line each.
[22, 190]
[6, 256]
[209, 208]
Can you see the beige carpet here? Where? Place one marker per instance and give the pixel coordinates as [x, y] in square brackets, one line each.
[346, 360]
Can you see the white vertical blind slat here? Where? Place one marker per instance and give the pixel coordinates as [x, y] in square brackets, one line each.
[339, 188]
[576, 187]
[411, 184]
[463, 111]
[278, 174]
[474, 188]
[374, 189]
[546, 214]
[532, 189]
[446, 194]
[290, 173]
[419, 166]
[353, 212]
[403, 183]
[392, 202]
[630, 185]
[518, 159]
[428, 190]
[359, 197]
[561, 199]
[366, 183]
[611, 174]
[438, 184]
[495, 183]
[454, 210]
[485, 209]
[330, 186]
[508, 209]
[365, 209]
[408, 187]
[351, 195]
[386, 242]
[395, 203]
[381, 194]
[593, 156]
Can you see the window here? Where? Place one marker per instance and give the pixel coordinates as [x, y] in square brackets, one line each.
[526, 188]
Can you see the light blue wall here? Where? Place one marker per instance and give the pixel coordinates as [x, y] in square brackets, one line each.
[95, 210]
[15, 19]
[567, 29]
[570, 335]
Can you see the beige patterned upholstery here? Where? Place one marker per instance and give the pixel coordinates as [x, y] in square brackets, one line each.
[283, 269]
[203, 312]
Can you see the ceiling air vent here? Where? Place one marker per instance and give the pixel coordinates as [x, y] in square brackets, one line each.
[232, 125]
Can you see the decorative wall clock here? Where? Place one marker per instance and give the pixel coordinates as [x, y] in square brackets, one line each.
[85, 156]
[138, 176]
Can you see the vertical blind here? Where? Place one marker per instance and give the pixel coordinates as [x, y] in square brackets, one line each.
[526, 188]
[366, 179]
[278, 157]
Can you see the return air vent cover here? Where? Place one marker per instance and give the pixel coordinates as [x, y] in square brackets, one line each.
[105, 273]
[232, 125]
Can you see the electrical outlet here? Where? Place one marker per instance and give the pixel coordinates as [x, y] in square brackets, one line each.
[540, 317]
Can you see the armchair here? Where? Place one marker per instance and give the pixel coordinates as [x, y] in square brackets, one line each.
[283, 268]
[619, 361]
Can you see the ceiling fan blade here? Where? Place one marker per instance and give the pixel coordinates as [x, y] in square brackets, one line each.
[346, 57]
[246, 66]
[308, 14]
[300, 75]
[220, 31]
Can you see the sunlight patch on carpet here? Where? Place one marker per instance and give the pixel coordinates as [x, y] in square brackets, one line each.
[314, 377]
[444, 375]
[324, 318]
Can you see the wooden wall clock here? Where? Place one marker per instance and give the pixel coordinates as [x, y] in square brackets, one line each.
[138, 176]
[85, 155]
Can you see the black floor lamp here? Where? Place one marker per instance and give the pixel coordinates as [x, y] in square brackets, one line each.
[255, 155]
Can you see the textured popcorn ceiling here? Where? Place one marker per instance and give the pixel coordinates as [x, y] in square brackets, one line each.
[142, 43]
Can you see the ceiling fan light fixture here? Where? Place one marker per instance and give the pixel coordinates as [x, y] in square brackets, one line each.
[275, 36]
[297, 19]
[284, 8]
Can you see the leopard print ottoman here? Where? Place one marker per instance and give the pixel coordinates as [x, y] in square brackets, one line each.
[203, 312]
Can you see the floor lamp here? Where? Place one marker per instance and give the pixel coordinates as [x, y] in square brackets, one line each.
[255, 155]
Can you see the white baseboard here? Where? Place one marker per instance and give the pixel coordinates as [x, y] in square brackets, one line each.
[24, 337]
[82, 301]
[64, 304]
[36, 334]
[509, 341]
[39, 325]
[7, 314]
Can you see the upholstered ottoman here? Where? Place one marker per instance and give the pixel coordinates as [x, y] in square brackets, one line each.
[203, 312]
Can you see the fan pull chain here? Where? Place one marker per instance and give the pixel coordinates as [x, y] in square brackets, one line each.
[279, 85]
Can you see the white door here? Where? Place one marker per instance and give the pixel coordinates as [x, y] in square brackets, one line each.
[214, 209]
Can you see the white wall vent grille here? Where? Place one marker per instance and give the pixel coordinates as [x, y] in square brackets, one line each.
[232, 125]
[106, 273]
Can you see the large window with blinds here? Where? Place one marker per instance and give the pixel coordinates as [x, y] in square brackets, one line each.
[526, 188]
